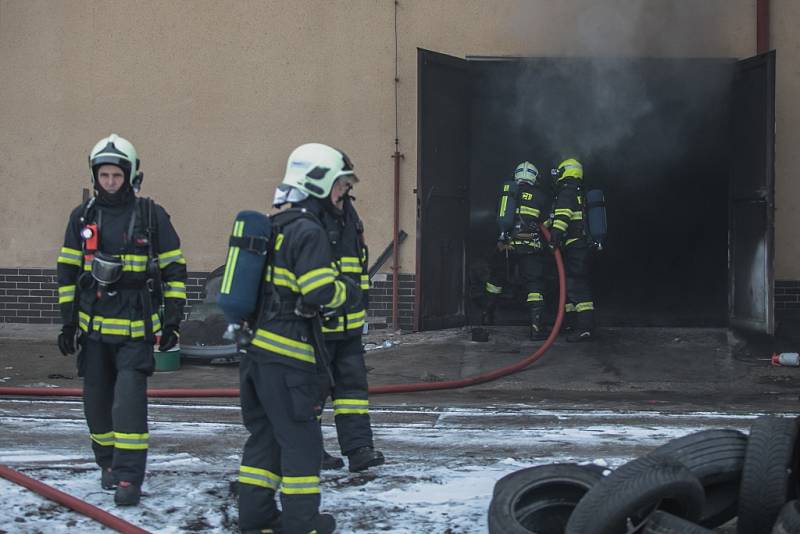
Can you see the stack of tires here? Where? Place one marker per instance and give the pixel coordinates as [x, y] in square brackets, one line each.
[689, 485]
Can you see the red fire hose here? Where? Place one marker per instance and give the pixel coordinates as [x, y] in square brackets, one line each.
[111, 521]
[374, 390]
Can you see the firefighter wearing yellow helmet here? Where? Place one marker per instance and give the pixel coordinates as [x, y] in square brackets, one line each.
[568, 233]
[120, 264]
[522, 206]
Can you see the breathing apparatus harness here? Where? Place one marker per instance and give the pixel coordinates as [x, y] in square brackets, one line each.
[268, 305]
[106, 269]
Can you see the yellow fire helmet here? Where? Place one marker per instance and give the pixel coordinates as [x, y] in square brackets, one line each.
[569, 168]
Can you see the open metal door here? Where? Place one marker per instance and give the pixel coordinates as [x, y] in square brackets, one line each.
[442, 186]
[752, 194]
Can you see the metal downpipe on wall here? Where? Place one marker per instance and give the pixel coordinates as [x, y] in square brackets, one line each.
[89, 510]
[762, 26]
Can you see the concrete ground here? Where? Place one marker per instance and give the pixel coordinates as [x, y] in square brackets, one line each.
[613, 399]
[667, 368]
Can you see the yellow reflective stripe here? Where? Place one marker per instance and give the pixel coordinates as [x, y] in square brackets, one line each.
[355, 321]
[535, 297]
[493, 289]
[364, 281]
[278, 242]
[526, 210]
[561, 225]
[350, 264]
[258, 477]
[503, 203]
[66, 293]
[299, 485]
[70, 256]
[284, 346]
[280, 276]
[106, 440]
[315, 279]
[137, 327]
[584, 306]
[563, 211]
[350, 406]
[175, 290]
[230, 262]
[130, 441]
[339, 295]
[171, 256]
[83, 321]
[570, 241]
[569, 307]
[577, 215]
[136, 263]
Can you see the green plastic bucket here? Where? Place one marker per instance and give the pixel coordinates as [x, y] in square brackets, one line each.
[168, 361]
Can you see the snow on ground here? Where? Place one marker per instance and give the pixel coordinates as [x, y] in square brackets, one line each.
[442, 466]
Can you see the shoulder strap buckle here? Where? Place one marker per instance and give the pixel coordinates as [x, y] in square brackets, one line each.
[257, 244]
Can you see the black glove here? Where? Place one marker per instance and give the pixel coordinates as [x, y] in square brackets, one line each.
[66, 339]
[556, 238]
[169, 338]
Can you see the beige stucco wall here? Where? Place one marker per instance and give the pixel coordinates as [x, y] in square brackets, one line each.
[215, 95]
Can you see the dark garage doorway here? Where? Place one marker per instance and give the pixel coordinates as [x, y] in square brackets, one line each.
[664, 138]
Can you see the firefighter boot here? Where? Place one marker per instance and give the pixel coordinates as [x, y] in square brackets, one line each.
[363, 458]
[330, 462]
[273, 526]
[107, 479]
[127, 494]
[538, 332]
[323, 524]
[584, 325]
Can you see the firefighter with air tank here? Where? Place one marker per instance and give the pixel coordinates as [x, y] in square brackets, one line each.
[570, 235]
[522, 207]
[120, 262]
[280, 279]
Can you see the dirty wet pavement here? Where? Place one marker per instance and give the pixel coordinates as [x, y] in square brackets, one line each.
[603, 402]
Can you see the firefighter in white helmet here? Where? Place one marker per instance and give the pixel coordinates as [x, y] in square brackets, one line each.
[522, 206]
[281, 370]
[121, 262]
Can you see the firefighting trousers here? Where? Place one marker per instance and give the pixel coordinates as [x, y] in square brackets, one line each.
[531, 269]
[349, 395]
[284, 450]
[115, 404]
[580, 307]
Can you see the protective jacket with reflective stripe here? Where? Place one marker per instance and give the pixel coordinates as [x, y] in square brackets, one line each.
[346, 236]
[568, 209]
[531, 210]
[301, 265]
[118, 314]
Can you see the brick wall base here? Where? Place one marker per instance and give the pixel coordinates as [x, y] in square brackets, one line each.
[31, 296]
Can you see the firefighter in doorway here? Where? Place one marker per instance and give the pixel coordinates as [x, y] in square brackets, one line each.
[280, 373]
[342, 330]
[121, 260]
[521, 208]
[568, 233]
